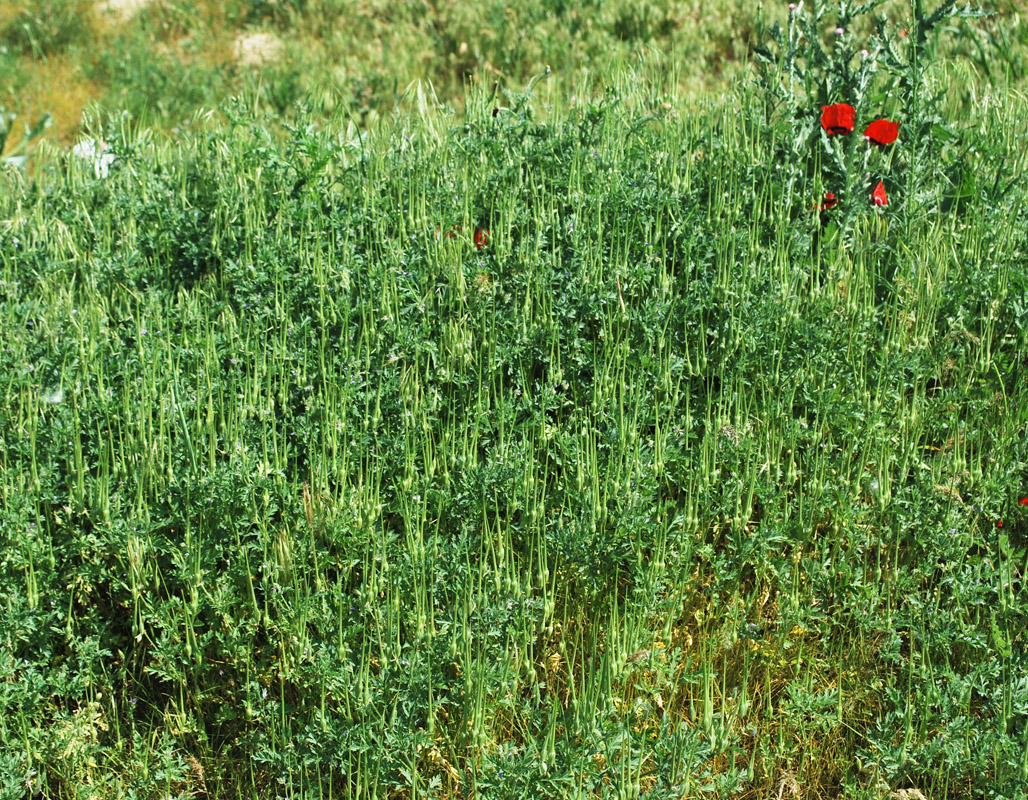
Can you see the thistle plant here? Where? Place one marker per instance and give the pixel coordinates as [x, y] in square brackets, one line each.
[838, 65]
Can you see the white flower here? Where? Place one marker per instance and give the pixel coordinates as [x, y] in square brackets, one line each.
[52, 395]
[96, 152]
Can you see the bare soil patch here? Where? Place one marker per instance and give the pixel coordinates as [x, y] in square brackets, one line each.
[120, 10]
[257, 49]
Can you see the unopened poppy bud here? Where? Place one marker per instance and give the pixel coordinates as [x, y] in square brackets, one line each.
[879, 196]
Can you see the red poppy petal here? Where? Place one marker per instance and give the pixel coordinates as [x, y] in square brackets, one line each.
[882, 131]
[838, 118]
[879, 195]
[1023, 501]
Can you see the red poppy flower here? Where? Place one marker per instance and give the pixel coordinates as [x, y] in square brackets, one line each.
[999, 524]
[1023, 501]
[838, 118]
[882, 131]
[830, 201]
[481, 237]
[879, 195]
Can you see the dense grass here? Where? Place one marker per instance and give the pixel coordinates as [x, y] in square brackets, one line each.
[673, 487]
[166, 61]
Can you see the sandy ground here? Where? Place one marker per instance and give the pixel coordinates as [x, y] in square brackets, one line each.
[255, 49]
[120, 10]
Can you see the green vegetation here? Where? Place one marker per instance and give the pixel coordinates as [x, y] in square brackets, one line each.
[163, 60]
[557, 447]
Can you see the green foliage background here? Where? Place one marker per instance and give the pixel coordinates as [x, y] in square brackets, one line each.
[673, 488]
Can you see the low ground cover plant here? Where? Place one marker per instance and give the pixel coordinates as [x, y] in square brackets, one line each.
[628, 449]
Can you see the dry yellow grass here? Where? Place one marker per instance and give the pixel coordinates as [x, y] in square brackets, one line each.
[58, 86]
